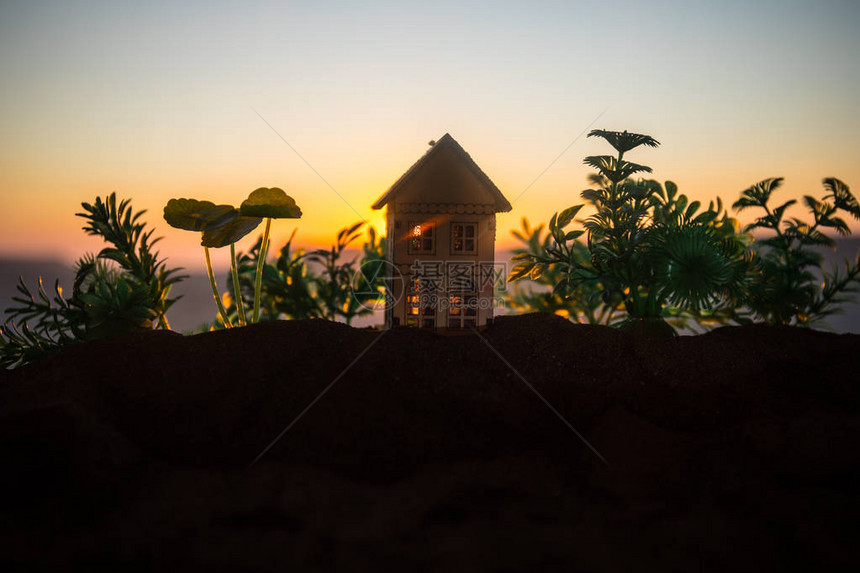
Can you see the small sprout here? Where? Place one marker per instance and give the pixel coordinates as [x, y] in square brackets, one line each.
[223, 225]
[271, 203]
[228, 234]
[206, 217]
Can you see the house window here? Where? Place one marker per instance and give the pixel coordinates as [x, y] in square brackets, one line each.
[422, 237]
[462, 310]
[421, 304]
[464, 238]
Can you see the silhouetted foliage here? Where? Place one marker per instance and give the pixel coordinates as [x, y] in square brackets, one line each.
[793, 288]
[285, 285]
[653, 258]
[318, 284]
[124, 288]
[647, 248]
[582, 302]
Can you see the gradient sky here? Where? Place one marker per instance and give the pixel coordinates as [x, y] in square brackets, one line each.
[156, 100]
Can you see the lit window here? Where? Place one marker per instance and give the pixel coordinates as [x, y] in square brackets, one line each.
[462, 310]
[421, 237]
[421, 304]
[464, 238]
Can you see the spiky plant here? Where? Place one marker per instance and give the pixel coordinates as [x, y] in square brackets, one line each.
[334, 284]
[547, 289]
[125, 287]
[132, 249]
[793, 288]
[647, 247]
[286, 284]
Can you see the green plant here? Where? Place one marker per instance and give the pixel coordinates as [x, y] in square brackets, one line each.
[316, 284]
[792, 288]
[286, 285]
[369, 281]
[547, 291]
[334, 286]
[648, 248]
[223, 225]
[124, 288]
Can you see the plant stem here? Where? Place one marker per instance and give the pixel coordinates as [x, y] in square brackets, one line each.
[163, 324]
[261, 262]
[240, 304]
[223, 312]
[818, 306]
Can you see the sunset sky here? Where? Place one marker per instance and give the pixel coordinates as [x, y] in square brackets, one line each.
[156, 100]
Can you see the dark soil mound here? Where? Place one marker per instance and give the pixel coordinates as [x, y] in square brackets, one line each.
[536, 445]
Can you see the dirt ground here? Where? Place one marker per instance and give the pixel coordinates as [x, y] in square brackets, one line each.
[536, 445]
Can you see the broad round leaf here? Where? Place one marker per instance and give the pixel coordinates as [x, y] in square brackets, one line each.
[194, 215]
[270, 203]
[230, 233]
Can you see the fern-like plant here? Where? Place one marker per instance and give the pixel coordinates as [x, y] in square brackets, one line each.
[548, 290]
[646, 246]
[793, 288]
[334, 284]
[125, 287]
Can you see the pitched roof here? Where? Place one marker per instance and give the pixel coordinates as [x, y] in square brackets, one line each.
[446, 142]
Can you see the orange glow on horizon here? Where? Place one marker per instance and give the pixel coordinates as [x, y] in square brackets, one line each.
[33, 229]
[39, 222]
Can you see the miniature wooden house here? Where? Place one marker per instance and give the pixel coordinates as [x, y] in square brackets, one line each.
[441, 222]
